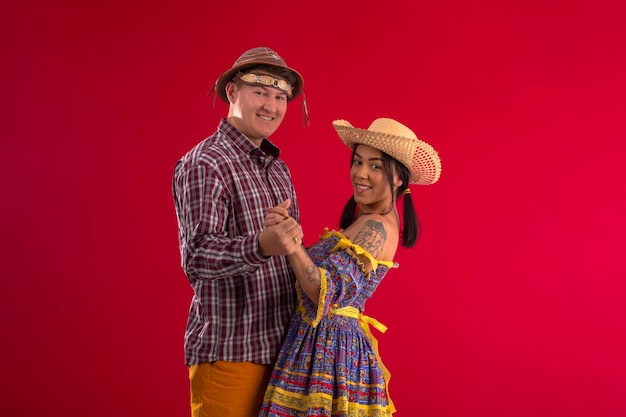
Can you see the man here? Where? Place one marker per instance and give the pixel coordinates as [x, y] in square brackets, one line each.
[244, 291]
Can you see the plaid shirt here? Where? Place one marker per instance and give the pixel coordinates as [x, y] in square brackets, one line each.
[242, 301]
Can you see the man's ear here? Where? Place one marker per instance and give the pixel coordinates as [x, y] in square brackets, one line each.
[231, 88]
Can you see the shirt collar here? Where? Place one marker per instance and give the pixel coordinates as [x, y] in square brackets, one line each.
[244, 144]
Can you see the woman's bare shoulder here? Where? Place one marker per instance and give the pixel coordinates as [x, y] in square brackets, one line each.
[376, 234]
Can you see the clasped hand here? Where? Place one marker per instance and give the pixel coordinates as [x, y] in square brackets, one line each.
[281, 233]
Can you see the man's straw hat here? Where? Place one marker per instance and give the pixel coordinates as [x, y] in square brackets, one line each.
[254, 57]
[398, 141]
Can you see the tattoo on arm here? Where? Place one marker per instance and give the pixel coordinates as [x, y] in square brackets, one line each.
[312, 273]
[372, 237]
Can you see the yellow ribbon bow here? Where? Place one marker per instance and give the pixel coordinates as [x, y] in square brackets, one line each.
[364, 322]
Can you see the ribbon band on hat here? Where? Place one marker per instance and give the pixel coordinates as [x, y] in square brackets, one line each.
[266, 80]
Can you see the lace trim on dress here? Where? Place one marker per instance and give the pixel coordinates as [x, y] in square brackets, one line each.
[356, 251]
[321, 304]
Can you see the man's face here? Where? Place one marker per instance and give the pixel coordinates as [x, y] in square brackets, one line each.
[256, 110]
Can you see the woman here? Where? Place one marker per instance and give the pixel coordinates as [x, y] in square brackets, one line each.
[329, 363]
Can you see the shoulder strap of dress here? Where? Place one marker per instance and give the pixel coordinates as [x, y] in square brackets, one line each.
[344, 243]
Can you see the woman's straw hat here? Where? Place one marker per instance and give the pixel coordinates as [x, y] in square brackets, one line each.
[254, 57]
[398, 141]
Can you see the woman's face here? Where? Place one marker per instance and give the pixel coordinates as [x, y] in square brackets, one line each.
[370, 180]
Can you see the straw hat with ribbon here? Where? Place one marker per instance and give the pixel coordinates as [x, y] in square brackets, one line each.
[398, 141]
[260, 56]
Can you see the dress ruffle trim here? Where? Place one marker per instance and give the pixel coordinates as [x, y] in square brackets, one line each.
[356, 251]
[321, 402]
[321, 303]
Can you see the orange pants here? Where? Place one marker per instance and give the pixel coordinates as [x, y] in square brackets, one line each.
[228, 389]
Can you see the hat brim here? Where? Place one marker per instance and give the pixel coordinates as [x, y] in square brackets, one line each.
[419, 157]
[227, 76]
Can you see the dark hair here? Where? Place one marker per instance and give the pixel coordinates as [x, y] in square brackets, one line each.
[412, 227]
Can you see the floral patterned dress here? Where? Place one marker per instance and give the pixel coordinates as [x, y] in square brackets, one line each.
[329, 363]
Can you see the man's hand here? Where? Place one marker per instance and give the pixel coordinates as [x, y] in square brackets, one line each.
[281, 233]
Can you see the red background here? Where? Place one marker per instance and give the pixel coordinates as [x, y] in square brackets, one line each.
[513, 302]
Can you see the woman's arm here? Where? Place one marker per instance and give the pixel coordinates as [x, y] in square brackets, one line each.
[308, 275]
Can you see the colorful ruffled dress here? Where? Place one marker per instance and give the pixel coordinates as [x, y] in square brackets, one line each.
[329, 364]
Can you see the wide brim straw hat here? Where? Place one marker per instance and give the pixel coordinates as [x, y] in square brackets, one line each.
[398, 141]
[252, 58]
